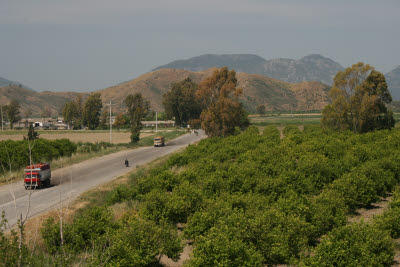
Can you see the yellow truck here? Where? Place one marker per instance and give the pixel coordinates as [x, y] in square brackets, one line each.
[159, 141]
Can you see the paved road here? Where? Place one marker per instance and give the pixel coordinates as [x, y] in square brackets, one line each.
[69, 182]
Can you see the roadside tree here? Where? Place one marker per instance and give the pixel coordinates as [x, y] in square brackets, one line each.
[137, 110]
[72, 113]
[359, 98]
[104, 119]
[32, 134]
[222, 110]
[181, 102]
[12, 112]
[119, 120]
[91, 111]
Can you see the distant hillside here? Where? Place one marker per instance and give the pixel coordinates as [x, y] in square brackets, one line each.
[393, 80]
[5, 82]
[257, 90]
[36, 101]
[247, 63]
[309, 68]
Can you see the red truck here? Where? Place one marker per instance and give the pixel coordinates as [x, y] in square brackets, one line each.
[37, 176]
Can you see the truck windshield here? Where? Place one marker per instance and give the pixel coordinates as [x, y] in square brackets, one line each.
[157, 139]
[29, 176]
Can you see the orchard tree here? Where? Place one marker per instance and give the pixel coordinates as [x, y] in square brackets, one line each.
[12, 112]
[359, 98]
[91, 111]
[181, 102]
[137, 110]
[222, 110]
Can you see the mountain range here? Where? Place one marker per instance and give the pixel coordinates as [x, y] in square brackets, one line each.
[279, 84]
[257, 90]
[309, 68]
[36, 101]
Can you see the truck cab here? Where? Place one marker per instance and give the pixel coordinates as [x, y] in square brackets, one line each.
[159, 141]
[37, 176]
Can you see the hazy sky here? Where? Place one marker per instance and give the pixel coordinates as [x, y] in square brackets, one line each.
[86, 45]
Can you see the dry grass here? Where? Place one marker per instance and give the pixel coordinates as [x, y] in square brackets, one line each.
[92, 137]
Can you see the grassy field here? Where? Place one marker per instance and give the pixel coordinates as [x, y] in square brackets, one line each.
[285, 119]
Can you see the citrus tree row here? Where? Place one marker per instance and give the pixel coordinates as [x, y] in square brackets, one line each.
[253, 199]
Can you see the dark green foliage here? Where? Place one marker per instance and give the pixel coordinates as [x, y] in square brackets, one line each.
[73, 113]
[250, 200]
[91, 111]
[85, 230]
[354, 245]
[291, 129]
[31, 133]
[15, 154]
[223, 248]
[181, 103]
[119, 194]
[390, 220]
[12, 112]
[359, 101]
[137, 110]
[261, 109]
[272, 133]
[137, 242]
[265, 196]
[9, 251]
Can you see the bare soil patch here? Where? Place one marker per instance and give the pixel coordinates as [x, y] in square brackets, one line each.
[185, 255]
[368, 214]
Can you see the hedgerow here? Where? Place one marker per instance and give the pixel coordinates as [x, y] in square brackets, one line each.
[14, 155]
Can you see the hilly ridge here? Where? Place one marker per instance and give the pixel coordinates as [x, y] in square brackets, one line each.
[257, 90]
[36, 101]
[5, 82]
[309, 68]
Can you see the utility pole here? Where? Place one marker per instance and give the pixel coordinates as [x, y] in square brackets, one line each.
[110, 123]
[156, 122]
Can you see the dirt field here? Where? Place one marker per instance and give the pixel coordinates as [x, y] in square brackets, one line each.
[92, 137]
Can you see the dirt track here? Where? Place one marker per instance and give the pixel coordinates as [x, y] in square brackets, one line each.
[69, 182]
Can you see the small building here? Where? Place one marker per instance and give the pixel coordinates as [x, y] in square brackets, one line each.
[168, 123]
